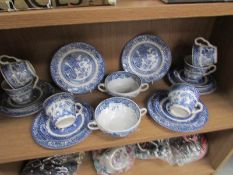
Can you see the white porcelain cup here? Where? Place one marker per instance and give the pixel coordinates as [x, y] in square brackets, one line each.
[124, 84]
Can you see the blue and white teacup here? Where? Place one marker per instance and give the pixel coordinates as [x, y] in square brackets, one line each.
[62, 109]
[117, 116]
[21, 95]
[124, 84]
[184, 100]
[17, 73]
[195, 73]
[203, 53]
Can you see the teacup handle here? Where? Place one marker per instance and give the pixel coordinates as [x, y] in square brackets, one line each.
[101, 87]
[211, 70]
[8, 57]
[29, 65]
[80, 112]
[198, 108]
[92, 125]
[143, 111]
[207, 43]
[113, 155]
[144, 87]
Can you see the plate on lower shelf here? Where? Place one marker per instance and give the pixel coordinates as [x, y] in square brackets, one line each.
[40, 93]
[157, 108]
[147, 56]
[42, 137]
[77, 68]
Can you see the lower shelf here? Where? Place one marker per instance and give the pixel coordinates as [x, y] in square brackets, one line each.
[156, 167]
[140, 167]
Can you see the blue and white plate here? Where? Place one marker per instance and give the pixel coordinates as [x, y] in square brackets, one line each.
[147, 56]
[158, 109]
[42, 137]
[206, 86]
[77, 68]
[40, 93]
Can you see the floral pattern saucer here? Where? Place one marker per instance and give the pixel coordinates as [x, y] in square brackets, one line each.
[40, 93]
[42, 137]
[158, 109]
[147, 56]
[77, 68]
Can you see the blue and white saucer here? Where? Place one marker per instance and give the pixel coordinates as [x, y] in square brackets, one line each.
[205, 86]
[40, 93]
[158, 109]
[77, 68]
[68, 137]
[147, 56]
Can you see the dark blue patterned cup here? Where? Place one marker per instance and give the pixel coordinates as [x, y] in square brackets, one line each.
[17, 73]
[184, 100]
[62, 109]
[21, 95]
[203, 53]
[194, 73]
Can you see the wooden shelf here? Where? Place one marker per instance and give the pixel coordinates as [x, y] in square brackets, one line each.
[158, 167]
[17, 144]
[126, 10]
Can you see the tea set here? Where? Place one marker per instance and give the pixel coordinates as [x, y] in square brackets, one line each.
[198, 67]
[23, 93]
[79, 68]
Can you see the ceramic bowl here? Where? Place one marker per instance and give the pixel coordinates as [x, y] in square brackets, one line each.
[117, 116]
[21, 95]
[124, 84]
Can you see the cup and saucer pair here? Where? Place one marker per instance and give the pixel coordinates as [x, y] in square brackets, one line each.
[10, 108]
[178, 109]
[205, 85]
[63, 122]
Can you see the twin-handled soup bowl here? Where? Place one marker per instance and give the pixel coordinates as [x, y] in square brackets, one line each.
[17, 73]
[62, 109]
[184, 100]
[124, 84]
[117, 116]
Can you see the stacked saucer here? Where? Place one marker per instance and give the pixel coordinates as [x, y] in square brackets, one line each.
[198, 67]
[23, 92]
[63, 122]
[178, 109]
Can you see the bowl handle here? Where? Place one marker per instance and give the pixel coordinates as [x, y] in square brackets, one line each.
[9, 57]
[101, 87]
[143, 111]
[144, 87]
[92, 125]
